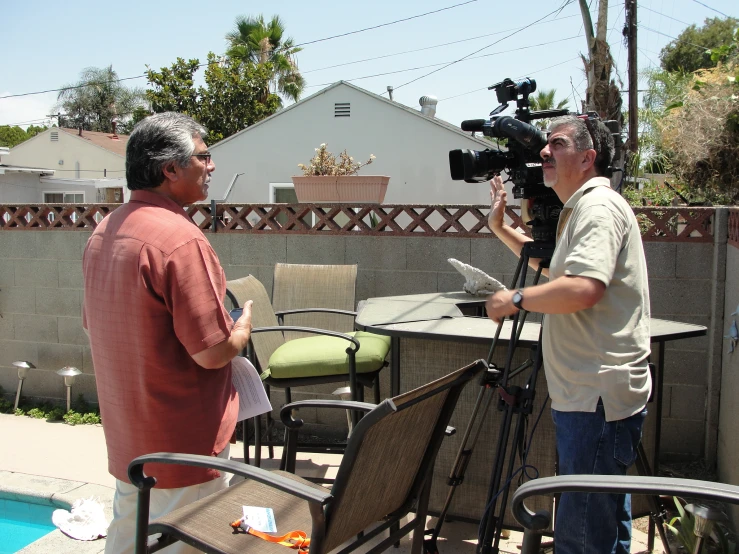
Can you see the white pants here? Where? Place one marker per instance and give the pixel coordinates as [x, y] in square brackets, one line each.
[122, 530]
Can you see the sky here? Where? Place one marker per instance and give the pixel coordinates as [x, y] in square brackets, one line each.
[52, 42]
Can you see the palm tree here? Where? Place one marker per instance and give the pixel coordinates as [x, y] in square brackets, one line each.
[259, 42]
[98, 99]
[544, 100]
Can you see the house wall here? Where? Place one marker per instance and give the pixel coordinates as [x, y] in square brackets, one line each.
[41, 296]
[409, 148]
[41, 152]
[27, 188]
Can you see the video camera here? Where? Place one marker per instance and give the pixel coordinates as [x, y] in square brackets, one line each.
[522, 159]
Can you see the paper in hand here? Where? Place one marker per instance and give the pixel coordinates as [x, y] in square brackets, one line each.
[476, 282]
[253, 399]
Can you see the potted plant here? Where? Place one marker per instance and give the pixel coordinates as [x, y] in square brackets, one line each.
[328, 179]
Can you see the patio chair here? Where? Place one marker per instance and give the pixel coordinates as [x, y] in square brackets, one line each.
[323, 357]
[385, 473]
[535, 523]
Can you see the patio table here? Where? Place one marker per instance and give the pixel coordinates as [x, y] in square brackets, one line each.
[434, 333]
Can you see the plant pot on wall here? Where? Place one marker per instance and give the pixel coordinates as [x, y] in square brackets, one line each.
[341, 188]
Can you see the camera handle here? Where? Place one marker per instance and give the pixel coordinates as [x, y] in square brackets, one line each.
[513, 400]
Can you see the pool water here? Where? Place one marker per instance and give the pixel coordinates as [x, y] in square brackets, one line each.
[21, 523]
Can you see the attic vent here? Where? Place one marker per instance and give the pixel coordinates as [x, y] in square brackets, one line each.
[54, 136]
[342, 109]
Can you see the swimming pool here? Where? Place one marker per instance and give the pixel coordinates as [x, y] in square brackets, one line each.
[21, 523]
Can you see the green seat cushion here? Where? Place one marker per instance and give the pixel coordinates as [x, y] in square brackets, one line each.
[322, 355]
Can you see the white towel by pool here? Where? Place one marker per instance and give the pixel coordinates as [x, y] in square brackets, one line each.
[85, 522]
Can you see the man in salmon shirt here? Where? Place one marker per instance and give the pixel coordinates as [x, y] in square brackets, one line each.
[161, 339]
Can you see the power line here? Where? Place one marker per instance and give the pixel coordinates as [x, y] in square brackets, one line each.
[529, 73]
[484, 48]
[548, 43]
[662, 14]
[218, 61]
[710, 8]
[383, 24]
[424, 48]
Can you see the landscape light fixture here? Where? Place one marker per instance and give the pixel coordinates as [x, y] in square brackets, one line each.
[23, 368]
[705, 517]
[69, 373]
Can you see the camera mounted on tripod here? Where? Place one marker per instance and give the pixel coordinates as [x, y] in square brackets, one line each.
[522, 159]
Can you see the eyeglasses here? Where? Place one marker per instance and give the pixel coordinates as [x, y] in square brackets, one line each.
[205, 157]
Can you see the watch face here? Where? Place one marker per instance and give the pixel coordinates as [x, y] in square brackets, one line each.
[517, 299]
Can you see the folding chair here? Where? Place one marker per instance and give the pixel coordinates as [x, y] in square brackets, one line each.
[385, 474]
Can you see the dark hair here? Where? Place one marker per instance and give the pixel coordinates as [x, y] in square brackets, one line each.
[590, 133]
[156, 141]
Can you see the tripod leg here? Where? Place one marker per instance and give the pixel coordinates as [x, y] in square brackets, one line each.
[456, 476]
[656, 508]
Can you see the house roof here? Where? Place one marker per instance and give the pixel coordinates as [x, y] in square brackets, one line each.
[20, 169]
[109, 141]
[417, 113]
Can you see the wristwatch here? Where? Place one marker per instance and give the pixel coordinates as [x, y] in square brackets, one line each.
[517, 299]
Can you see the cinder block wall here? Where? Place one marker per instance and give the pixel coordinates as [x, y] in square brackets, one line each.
[728, 446]
[41, 295]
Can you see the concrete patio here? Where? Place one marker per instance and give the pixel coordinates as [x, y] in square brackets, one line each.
[57, 463]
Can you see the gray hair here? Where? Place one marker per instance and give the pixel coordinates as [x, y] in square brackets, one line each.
[156, 141]
[587, 134]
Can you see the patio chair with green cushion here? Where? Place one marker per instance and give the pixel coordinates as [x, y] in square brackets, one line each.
[384, 475]
[324, 356]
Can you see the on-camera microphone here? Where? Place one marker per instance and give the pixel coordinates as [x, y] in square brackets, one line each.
[474, 125]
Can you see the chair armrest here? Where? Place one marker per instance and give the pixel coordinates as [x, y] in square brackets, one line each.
[309, 310]
[613, 484]
[286, 417]
[326, 332]
[294, 488]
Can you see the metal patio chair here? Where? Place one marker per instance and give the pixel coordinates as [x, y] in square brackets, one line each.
[536, 523]
[385, 474]
[314, 357]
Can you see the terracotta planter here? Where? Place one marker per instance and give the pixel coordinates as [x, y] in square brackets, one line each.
[351, 188]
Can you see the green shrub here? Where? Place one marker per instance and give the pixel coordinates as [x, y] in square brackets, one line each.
[80, 414]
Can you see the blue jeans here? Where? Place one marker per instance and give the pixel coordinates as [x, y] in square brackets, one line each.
[594, 523]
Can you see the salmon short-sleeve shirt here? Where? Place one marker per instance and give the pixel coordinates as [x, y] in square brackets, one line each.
[153, 298]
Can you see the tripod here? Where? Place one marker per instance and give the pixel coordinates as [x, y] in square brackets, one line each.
[513, 401]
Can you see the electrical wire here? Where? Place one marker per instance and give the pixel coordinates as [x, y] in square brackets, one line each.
[218, 61]
[710, 8]
[662, 14]
[383, 24]
[548, 43]
[483, 48]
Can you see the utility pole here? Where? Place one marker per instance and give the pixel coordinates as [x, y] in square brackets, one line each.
[630, 32]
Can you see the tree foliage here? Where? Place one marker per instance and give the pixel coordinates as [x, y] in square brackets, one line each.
[691, 50]
[12, 136]
[233, 96]
[96, 100]
[264, 43]
[544, 100]
[34, 130]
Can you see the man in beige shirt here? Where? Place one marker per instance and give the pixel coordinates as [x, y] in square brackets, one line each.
[596, 331]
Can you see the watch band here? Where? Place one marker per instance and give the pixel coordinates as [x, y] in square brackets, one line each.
[518, 299]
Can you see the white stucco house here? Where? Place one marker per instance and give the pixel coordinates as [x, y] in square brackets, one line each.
[63, 165]
[410, 147]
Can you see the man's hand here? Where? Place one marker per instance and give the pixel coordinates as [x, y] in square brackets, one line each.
[244, 322]
[500, 304]
[498, 203]
[220, 354]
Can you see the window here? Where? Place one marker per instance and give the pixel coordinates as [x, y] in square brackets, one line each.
[64, 197]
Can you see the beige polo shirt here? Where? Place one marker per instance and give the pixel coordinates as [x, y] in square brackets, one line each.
[600, 352]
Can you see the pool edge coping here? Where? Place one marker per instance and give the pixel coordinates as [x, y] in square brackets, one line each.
[59, 493]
